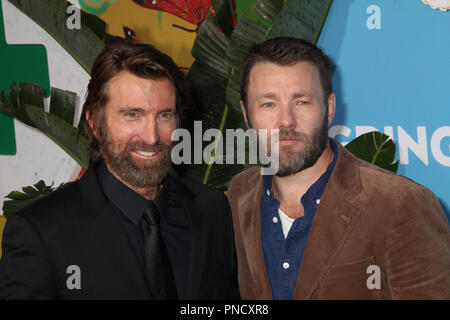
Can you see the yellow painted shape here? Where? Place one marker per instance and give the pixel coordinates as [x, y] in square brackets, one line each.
[173, 41]
[2, 226]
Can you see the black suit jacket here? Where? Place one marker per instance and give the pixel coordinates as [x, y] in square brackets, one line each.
[78, 226]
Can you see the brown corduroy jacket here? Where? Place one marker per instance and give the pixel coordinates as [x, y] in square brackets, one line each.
[367, 216]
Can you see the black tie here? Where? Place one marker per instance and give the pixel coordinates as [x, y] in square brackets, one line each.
[159, 269]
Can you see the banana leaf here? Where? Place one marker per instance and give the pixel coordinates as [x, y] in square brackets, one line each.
[376, 148]
[225, 15]
[207, 79]
[26, 104]
[18, 200]
[84, 44]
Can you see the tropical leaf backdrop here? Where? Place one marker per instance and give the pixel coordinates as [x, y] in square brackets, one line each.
[222, 41]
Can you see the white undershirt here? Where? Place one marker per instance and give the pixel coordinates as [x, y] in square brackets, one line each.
[286, 222]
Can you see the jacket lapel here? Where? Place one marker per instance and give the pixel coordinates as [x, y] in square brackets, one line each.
[199, 237]
[109, 239]
[332, 224]
[249, 205]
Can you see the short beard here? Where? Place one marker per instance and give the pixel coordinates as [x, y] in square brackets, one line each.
[137, 173]
[294, 161]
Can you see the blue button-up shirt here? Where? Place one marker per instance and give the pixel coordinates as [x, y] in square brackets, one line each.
[283, 257]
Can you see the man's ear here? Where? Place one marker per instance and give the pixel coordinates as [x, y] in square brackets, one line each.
[331, 107]
[90, 121]
[244, 113]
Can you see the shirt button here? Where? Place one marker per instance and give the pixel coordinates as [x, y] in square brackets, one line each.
[275, 219]
[286, 265]
[268, 192]
[317, 201]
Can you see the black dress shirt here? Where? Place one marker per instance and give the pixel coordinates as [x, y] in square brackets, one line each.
[175, 229]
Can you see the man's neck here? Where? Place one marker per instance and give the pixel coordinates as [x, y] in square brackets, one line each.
[148, 193]
[291, 188]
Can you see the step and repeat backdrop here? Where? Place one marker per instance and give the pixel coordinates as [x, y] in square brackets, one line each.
[392, 74]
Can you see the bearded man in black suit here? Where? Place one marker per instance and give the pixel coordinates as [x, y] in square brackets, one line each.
[127, 229]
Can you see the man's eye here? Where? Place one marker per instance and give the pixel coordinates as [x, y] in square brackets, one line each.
[268, 105]
[132, 115]
[166, 115]
[302, 102]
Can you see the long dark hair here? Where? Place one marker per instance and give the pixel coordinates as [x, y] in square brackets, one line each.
[142, 60]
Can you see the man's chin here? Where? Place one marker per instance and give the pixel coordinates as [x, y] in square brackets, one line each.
[145, 176]
[145, 164]
[288, 166]
[139, 172]
[290, 144]
[289, 170]
[286, 154]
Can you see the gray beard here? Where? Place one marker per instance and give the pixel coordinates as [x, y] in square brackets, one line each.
[293, 161]
[137, 173]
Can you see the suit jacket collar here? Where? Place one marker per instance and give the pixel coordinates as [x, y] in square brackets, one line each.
[182, 187]
[110, 237]
[94, 198]
[98, 206]
[200, 233]
[333, 222]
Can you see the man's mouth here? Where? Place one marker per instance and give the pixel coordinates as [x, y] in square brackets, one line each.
[146, 154]
[288, 141]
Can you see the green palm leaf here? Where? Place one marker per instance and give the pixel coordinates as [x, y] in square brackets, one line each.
[376, 148]
[84, 44]
[224, 15]
[18, 200]
[26, 104]
[207, 79]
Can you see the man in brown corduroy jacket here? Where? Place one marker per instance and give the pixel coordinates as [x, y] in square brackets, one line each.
[327, 225]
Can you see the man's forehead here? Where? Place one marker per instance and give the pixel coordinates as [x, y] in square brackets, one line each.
[128, 89]
[126, 78]
[271, 69]
[266, 78]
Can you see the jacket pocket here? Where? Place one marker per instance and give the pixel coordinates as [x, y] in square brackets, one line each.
[351, 281]
[350, 269]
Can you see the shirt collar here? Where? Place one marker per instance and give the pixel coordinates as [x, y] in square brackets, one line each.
[130, 203]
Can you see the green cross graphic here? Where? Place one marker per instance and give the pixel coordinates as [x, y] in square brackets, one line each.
[19, 63]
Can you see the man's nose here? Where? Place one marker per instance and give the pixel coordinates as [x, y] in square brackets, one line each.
[150, 132]
[287, 117]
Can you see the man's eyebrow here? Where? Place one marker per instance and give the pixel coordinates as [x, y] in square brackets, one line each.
[127, 109]
[302, 94]
[271, 95]
[167, 110]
